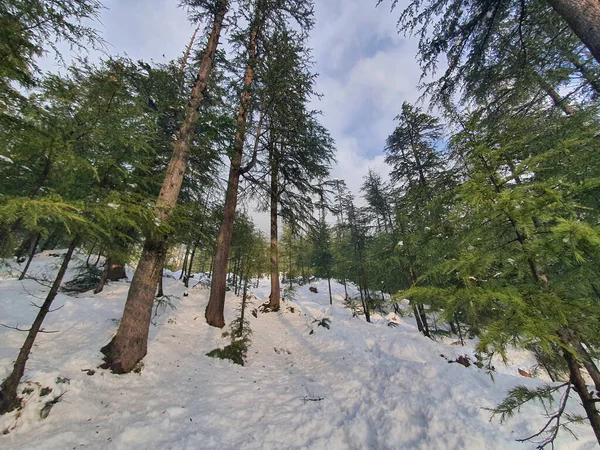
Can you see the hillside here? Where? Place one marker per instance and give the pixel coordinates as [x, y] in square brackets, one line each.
[353, 386]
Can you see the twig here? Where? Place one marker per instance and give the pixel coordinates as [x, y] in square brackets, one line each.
[28, 330]
[56, 309]
[312, 399]
[553, 423]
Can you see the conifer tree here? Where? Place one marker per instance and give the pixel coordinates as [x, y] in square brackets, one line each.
[129, 345]
[522, 38]
[30, 28]
[264, 18]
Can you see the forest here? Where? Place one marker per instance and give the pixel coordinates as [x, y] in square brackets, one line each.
[147, 176]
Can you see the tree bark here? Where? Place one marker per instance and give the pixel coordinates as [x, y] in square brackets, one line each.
[583, 16]
[587, 400]
[275, 297]
[216, 303]
[160, 291]
[8, 389]
[129, 345]
[570, 339]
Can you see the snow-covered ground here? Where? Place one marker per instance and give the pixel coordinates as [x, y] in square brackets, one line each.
[353, 386]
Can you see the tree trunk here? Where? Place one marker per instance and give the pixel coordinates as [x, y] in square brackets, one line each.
[243, 308]
[111, 272]
[290, 266]
[418, 319]
[587, 400]
[188, 50]
[423, 316]
[116, 272]
[52, 240]
[329, 284]
[31, 255]
[558, 101]
[216, 302]
[25, 247]
[275, 297]
[570, 339]
[583, 16]
[9, 387]
[160, 291]
[129, 345]
[186, 281]
[585, 72]
[365, 305]
[87, 261]
[185, 261]
[104, 276]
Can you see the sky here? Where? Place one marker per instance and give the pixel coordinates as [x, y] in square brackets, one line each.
[366, 69]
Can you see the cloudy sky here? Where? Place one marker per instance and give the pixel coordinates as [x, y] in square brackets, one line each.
[366, 69]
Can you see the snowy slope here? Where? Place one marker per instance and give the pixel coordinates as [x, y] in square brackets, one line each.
[354, 386]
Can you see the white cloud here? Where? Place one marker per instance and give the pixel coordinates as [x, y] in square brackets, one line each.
[366, 71]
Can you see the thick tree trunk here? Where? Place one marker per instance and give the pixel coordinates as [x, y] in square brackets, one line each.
[583, 16]
[216, 302]
[129, 345]
[31, 255]
[218, 287]
[8, 389]
[275, 297]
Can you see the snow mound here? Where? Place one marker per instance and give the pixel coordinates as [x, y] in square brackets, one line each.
[353, 385]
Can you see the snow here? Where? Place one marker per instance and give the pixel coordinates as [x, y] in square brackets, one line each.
[353, 386]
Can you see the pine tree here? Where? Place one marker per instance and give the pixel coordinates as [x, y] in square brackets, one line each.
[30, 28]
[129, 345]
[265, 18]
[522, 38]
